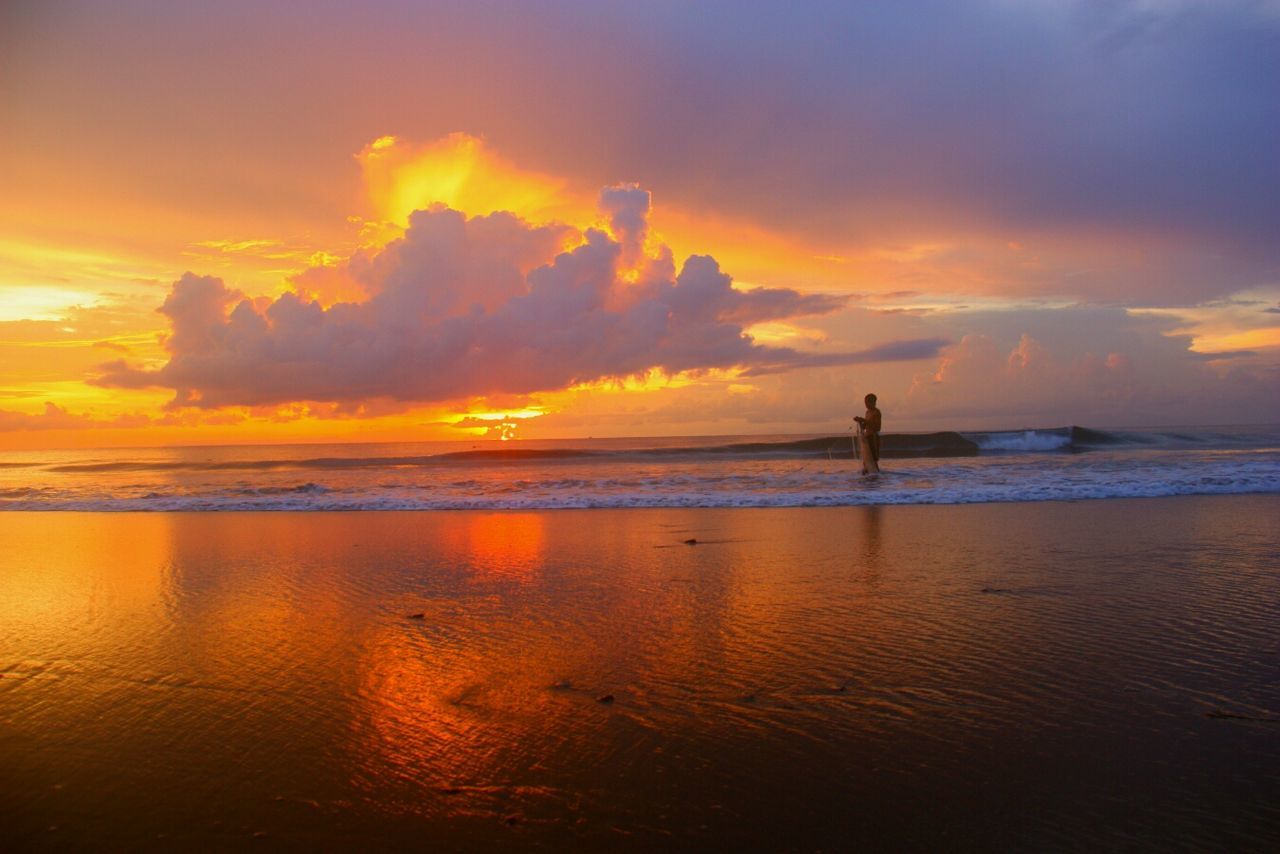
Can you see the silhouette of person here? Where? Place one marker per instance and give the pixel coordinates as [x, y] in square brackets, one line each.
[870, 423]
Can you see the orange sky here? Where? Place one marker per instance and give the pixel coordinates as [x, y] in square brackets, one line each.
[69, 308]
[238, 154]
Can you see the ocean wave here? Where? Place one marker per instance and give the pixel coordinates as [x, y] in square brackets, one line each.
[894, 445]
[767, 484]
[1025, 440]
[322, 463]
[19, 492]
[300, 489]
[1077, 439]
[1073, 439]
[938, 445]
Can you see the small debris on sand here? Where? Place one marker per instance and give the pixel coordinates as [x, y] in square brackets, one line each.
[607, 698]
[1217, 713]
[512, 820]
[418, 616]
[690, 542]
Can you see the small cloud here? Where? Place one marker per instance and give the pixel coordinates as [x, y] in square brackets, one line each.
[1221, 356]
[891, 296]
[893, 351]
[56, 417]
[238, 246]
[914, 311]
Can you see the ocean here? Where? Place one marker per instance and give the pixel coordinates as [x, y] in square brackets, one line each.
[717, 652]
[1066, 463]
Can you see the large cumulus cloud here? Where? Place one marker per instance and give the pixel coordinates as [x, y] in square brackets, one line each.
[471, 307]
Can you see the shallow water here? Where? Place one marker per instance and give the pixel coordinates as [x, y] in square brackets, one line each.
[1041, 675]
[1021, 465]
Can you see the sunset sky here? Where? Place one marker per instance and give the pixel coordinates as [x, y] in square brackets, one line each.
[267, 222]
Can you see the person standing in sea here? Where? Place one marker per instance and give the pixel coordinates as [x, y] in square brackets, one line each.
[870, 423]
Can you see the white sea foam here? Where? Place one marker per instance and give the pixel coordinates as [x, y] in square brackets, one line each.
[1027, 440]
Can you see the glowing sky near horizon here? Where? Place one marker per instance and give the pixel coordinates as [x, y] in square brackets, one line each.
[232, 223]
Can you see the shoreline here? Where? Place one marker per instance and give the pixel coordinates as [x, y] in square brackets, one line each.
[130, 511]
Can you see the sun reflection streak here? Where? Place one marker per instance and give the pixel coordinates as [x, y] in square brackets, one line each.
[508, 546]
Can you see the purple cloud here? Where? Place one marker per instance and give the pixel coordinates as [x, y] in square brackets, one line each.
[463, 307]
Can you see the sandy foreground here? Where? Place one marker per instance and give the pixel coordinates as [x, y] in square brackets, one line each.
[1030, 675]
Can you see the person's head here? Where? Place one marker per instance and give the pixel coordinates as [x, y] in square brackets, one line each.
[870, 401]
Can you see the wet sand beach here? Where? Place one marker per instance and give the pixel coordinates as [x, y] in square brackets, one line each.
[1100, 674]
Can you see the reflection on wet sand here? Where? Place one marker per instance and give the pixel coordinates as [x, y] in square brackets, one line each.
[808, 677]
[505, 545]
[492, 703]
